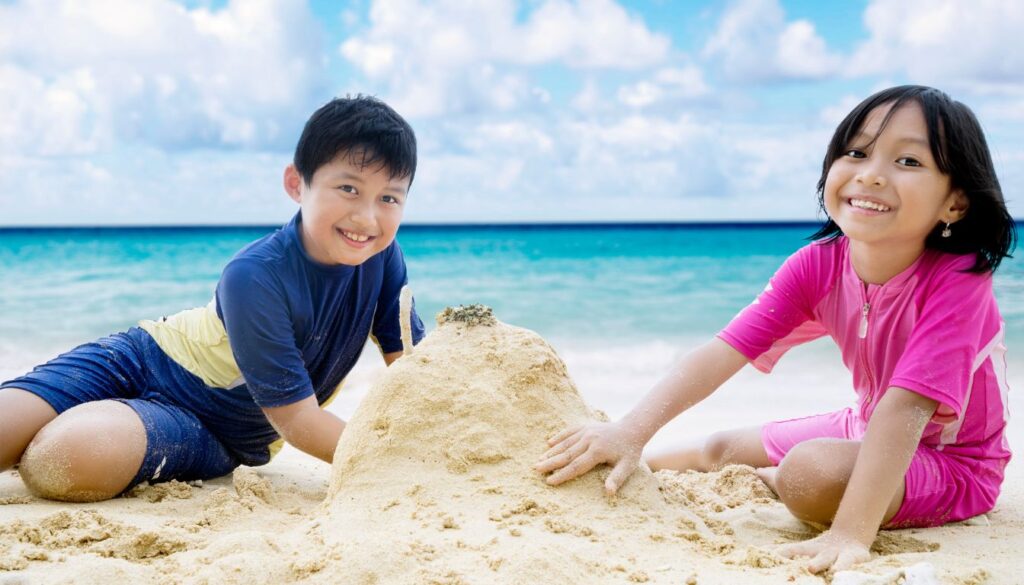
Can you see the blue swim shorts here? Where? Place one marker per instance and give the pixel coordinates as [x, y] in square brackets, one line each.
[192, 431]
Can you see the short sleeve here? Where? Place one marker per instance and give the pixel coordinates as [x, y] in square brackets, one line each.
[386, 319]
[955, 331]
[781, 317]
[252, 303]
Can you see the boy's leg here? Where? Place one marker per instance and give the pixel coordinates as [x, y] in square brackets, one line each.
[116, 426]
[738, 446]
[22, 414]
[89, 452]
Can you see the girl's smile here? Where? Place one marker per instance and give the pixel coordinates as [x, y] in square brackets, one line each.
[887, 193]
[868, 205]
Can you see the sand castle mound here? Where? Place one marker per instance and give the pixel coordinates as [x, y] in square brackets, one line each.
[476, 400]
[434, 473]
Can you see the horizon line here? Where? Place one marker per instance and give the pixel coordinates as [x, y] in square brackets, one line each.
[438, 225]
[425, 225]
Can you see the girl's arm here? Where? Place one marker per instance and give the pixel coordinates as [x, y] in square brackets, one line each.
[892, 437]
[577, 450]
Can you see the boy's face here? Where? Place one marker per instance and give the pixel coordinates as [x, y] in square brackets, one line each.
[349, 212]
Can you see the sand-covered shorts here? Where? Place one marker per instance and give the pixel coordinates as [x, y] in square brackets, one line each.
[184, 430]
[940, 487]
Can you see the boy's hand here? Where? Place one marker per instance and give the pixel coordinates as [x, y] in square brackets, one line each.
[828, 550]
[577, 450]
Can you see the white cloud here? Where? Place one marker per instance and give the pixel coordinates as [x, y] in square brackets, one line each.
[511, 136]
[588, 98]
[144, 186]
[668, 84]
[460, 56]
[606, 166]
[945, 42]
[833, 114]
[754, 42]
[86, 75]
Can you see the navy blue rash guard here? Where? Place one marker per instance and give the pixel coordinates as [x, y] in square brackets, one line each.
[296, 327]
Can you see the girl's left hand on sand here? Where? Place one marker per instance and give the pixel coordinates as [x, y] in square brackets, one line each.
[577, 450]
[828, 550]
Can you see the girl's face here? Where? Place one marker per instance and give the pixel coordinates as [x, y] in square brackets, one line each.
[890, 192]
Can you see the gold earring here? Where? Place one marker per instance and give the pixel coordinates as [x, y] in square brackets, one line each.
[947, 232]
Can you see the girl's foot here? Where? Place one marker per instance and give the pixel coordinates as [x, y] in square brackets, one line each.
[767, 475]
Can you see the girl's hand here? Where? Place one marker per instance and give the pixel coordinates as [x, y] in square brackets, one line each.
[577, 450]
[829, 550]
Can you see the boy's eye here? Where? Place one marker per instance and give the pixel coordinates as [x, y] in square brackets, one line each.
[908, 161]
[390, 200]
[349, 189]
[854, 153]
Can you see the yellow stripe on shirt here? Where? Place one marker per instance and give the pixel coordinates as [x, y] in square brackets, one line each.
[196, 339]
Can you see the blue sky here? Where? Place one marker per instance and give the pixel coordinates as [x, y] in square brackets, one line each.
[163, 112]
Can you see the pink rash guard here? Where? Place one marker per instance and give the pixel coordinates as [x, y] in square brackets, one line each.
[932, 329]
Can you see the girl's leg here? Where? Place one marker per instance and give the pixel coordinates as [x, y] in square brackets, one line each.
[90, 452]
[22, 414]
[738, 446]
[812, 477]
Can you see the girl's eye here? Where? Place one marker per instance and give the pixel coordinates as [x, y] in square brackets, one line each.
[855, 153]
[908, 161]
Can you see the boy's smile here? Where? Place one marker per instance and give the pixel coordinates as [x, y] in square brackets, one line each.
[349, 212]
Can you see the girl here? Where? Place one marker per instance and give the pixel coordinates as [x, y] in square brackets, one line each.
[901, 278]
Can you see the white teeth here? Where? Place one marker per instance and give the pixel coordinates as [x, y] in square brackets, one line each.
[868, 205]
[356, 237]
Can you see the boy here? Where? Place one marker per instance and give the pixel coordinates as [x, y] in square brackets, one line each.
[194, 395]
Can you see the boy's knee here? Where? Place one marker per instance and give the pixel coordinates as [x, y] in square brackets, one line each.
[84, 456]
[811, 480]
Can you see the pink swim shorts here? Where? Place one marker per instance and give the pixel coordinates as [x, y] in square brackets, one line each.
[940, 487]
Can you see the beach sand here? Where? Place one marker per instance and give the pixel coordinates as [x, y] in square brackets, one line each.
[433, 483]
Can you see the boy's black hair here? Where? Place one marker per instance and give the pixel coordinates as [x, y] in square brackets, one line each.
[361, 127]
[961, 152]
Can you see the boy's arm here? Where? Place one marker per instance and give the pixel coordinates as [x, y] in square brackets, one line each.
[892, 437]
[577, 450]
[307, 427]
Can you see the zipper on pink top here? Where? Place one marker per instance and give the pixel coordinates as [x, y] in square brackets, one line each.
[862, 332]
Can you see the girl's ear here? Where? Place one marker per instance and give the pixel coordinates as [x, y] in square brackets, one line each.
[293, 183]
[958, 204]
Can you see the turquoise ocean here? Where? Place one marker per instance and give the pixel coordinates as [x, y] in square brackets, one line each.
[618, 302]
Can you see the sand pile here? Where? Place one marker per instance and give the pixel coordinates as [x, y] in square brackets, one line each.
[433, 483]
[434, 473]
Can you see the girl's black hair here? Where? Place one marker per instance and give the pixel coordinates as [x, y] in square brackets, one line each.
[960, 151]
[361, 127]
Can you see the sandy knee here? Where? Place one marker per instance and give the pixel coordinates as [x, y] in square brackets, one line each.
[811, 478]
[90, 452]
